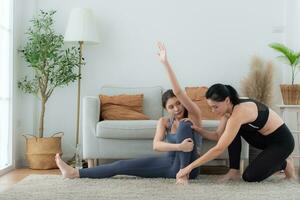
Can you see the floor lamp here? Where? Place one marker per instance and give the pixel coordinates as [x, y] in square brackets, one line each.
[82, 29]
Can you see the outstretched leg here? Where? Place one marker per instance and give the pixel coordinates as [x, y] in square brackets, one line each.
[152, 167]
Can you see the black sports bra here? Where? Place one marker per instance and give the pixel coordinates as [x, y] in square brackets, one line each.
[262, 116]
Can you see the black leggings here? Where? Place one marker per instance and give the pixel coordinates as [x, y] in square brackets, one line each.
[165, 166]
[276, 147]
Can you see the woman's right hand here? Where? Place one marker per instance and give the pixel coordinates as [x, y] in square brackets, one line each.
[186, 145]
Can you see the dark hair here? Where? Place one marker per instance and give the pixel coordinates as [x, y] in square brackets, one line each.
[166, 96]
[219, 92]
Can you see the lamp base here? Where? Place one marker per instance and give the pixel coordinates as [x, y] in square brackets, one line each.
[72, 162]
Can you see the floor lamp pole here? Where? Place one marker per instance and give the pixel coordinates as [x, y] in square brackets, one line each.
[78, 92]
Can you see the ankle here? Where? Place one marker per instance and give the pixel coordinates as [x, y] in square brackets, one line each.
[75, 173]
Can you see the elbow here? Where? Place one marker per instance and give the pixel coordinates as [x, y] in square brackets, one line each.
[177, 92]
[218, 136]
[219, 150]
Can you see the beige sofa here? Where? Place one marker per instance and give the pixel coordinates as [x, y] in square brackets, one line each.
[124, 139]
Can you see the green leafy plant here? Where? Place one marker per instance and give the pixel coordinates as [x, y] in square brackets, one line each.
[52, 65]
[289, 56]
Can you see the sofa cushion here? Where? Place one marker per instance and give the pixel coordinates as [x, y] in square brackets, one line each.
[137, 129]
[197, 94]
[210, 125]
[115, 112]
[122, 107]
[152, 98]
[126, 129]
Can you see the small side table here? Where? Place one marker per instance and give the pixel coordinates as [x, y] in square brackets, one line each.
[296, 133]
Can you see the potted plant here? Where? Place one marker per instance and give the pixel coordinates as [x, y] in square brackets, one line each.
[52, 67]
[290, 92]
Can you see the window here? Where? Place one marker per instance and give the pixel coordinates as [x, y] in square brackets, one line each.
[6, 49]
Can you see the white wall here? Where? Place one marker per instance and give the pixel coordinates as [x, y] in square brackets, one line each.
[292, 39]
[24, 106]
[292, 36]
[207, 41]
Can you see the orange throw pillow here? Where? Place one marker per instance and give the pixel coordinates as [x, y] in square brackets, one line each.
[197, 94]
[122, 107]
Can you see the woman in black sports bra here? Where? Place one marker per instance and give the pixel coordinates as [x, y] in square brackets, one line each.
[258, 125]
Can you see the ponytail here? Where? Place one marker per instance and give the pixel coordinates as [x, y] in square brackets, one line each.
[233, 95]
[219, 92]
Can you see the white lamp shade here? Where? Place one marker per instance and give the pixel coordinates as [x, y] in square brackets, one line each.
[82, 27]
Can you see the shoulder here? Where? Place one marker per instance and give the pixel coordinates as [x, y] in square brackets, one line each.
[163, 121]
[244, 112]
[243, 107]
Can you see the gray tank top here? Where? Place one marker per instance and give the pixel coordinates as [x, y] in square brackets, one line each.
[170, 137]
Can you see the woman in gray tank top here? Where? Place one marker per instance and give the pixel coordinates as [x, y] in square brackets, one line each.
[173, 135]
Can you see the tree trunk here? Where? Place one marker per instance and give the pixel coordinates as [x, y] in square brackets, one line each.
[41, 126]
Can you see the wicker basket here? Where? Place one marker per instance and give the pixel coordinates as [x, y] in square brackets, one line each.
[290, 94]
[40, 152]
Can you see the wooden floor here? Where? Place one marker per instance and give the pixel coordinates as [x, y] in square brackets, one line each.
[13, 177]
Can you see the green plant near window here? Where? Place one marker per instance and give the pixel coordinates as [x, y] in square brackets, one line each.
[289, 56]
[52, 65]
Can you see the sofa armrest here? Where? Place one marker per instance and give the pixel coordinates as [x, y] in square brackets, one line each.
[90, 118]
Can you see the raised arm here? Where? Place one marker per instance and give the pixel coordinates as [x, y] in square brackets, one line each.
[191, 107]
[160, 145]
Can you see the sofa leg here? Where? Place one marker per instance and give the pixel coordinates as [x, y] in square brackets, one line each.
[242, 166]
[90, 163]
[95, 162]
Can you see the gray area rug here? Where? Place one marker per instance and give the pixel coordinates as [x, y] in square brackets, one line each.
[54, 187]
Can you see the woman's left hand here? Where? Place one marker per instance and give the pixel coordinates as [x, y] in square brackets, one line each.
[184, 172]
[162, 54]
[196, 128]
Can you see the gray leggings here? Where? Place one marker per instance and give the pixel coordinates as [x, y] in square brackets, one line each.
[165, 166]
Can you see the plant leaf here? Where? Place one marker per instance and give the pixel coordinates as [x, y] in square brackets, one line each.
[287, 52]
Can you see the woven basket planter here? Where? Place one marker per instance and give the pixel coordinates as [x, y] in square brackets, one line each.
[290, 94]
[40, 152]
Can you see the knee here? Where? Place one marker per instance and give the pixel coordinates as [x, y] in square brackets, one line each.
[248, 177]
[183, 126]
[184, 130]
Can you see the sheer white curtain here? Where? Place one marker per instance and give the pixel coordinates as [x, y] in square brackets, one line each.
[5, 82]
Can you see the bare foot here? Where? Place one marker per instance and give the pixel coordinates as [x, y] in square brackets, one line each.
[66, 170]
[232, 174]
[182, 181]
[290, 169]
